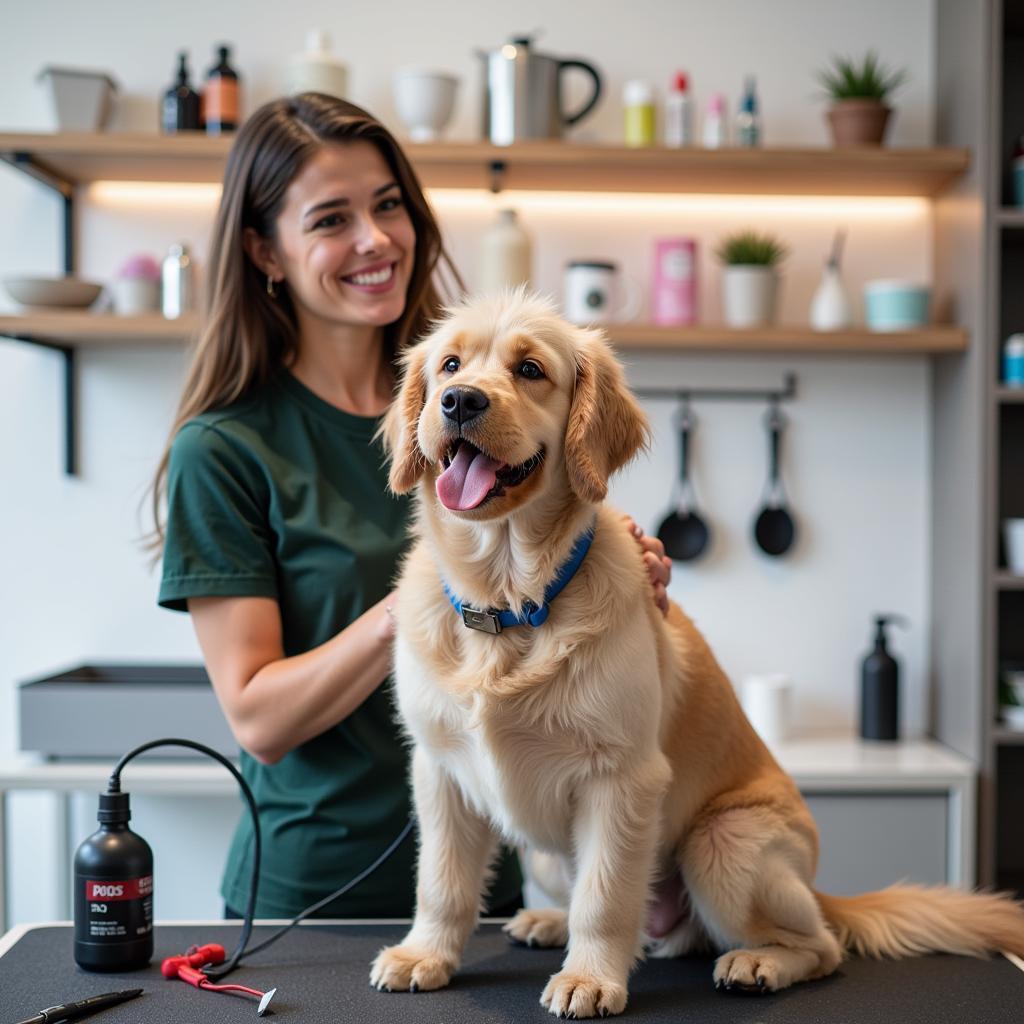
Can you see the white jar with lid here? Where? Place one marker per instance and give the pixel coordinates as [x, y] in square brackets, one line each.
[506, 254]
[316, 69]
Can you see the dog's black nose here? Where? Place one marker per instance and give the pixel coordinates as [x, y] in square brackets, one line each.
[461, 404]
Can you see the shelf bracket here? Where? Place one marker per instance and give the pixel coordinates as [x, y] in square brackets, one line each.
[498, 169]
[774, 395]
[64, 188]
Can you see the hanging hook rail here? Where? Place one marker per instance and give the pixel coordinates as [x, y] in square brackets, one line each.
[784, 394]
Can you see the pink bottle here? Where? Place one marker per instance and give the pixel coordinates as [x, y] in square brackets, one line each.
[674, 299]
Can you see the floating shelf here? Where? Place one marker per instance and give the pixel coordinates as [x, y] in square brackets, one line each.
[1005, 580]
[1011, 217]
[770, 340]
[80, 329]
[1004, 737]
[95, 330]
[1009, 396]
[80, 158]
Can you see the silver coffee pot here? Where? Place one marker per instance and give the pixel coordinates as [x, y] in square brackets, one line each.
[523, 93]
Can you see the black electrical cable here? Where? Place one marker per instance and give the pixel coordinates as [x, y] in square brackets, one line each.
[220, 970]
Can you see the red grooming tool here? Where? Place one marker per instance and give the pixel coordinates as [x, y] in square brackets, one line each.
[187, 968]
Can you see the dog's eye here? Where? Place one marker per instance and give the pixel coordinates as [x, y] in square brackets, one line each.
[530, 370]
[450, 365]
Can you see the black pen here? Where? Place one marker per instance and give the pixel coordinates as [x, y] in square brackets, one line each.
[81, 1007]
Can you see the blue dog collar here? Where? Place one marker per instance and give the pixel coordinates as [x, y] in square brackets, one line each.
[494, 620]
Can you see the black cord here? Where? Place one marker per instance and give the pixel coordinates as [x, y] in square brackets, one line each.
[114, 786]
[220, 970]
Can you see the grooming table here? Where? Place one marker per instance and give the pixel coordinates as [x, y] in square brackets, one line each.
[321, 972]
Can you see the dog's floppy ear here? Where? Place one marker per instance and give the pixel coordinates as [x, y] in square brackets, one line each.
[606, 425]
[401, 422]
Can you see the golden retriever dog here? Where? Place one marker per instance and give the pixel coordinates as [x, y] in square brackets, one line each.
[606, 737]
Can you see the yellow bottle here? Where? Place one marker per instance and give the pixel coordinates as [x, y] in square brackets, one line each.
[638, 100]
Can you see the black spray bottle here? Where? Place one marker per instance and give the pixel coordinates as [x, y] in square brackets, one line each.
[113, 893]
[880, 687]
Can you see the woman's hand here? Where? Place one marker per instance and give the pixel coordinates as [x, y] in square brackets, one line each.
[659, 565]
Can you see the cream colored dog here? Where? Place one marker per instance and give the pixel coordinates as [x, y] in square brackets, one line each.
[606, 737]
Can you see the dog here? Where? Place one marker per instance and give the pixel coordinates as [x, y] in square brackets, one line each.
[601, 734]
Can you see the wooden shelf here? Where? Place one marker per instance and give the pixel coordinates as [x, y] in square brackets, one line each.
[84, 330]
[80, 158]
[1009, 396]
[788, 340]
[1004, 580]
[1011, 217]
[1007, 737]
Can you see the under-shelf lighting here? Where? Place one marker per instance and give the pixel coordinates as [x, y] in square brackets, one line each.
[148, 193]
[674, 203]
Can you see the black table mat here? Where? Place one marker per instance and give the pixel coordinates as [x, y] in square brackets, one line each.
[322, 977]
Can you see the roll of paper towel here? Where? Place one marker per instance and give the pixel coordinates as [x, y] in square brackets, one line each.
[765, 699]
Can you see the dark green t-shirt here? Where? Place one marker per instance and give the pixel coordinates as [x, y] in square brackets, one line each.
[282, 495]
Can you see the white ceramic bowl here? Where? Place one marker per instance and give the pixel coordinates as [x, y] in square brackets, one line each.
[424, 101]
[60, 292]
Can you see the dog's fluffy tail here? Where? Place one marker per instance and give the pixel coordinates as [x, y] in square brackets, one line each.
[908, 920]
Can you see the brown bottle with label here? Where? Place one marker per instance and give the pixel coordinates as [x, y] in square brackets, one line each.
[221, 100]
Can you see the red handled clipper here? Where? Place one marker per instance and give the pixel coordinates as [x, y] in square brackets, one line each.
[188, 968]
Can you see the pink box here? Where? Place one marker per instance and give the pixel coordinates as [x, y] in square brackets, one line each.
[674, 298]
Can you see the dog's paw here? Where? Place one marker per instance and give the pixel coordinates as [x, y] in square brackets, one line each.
[546, 927]
[405, 969]
[751, 970]
[583, 995]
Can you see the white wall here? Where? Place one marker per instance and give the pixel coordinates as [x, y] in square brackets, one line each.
[74, 586]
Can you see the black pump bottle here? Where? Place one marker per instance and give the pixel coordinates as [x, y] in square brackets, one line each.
[113, 895]
[880, 687]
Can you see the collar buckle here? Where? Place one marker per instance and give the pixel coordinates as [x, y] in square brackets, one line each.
[480, 619]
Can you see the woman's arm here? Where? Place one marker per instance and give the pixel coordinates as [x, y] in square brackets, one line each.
[273, 703]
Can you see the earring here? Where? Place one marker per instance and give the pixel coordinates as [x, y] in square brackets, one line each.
[270, 287]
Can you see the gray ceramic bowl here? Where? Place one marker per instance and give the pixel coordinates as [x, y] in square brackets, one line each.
[60, 292]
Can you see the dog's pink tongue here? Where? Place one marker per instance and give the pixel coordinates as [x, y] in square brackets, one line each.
[465, 483]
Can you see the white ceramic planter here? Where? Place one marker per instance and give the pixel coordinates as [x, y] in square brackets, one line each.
[749, 295]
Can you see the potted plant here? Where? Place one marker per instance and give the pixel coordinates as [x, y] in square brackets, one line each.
[750, 280]
[859, 113]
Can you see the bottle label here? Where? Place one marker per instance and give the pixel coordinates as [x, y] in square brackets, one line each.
[118, 908]
[220, 101]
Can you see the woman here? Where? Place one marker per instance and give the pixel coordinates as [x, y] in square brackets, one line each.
[281, 538]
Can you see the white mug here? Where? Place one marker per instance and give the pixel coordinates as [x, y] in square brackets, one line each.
[765, 700]
[595, 294]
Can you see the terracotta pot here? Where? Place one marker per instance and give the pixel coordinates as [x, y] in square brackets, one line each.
[858, 122]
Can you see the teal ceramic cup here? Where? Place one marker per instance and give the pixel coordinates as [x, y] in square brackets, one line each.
[895, 305]
[1018, 181]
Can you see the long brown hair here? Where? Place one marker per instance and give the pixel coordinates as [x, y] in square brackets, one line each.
[247, 335]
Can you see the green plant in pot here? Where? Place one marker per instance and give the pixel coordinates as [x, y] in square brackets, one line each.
[750, 278]
[859, 92]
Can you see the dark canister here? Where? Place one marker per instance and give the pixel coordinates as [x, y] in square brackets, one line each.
[113, 896]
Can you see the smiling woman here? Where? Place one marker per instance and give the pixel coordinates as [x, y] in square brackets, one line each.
[282, 539]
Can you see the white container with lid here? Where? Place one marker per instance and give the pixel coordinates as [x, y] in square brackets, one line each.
[316, 69]
[506, 254]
